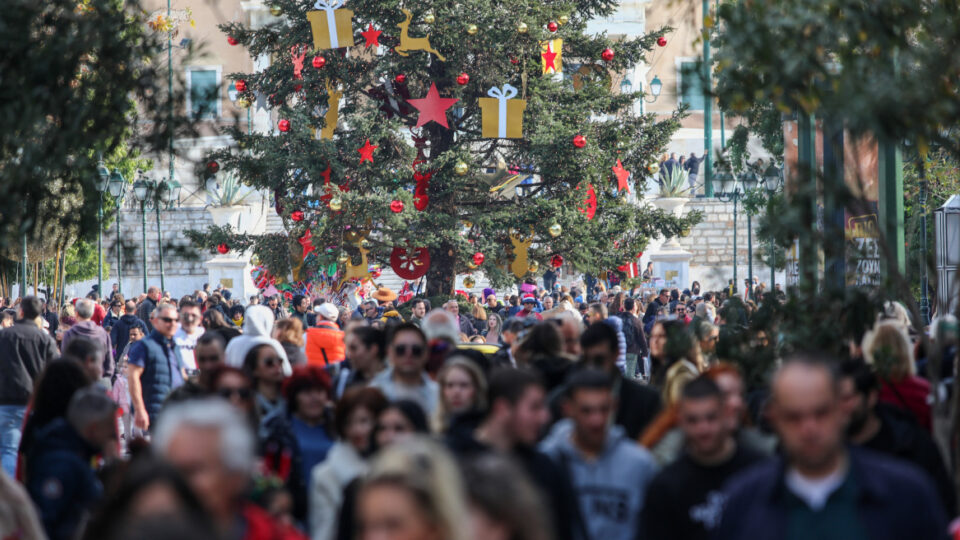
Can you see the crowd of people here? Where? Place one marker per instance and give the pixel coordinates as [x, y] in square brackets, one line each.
[567, 413]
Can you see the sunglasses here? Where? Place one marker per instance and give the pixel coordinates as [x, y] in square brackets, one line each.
[169, 320]
[242, 393]
[272, 361]
[401, 350]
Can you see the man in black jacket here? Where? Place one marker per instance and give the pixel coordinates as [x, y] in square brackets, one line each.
[25, 349]
[145, 311]
[120, 333]
[637, 404]
[883, 428]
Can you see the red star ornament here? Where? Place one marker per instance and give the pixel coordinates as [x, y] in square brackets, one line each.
[433, 108]
[366, 151]
[548, 58]
[306, 241]
[372, 36]
[622, 176]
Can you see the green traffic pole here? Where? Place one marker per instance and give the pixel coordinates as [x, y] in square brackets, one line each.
[773, 265]
[23, 265]
[750, 253]
[163, 286]
[891, 206]
[707, 108]
[100, 245]
[736, 198]
[143, 248]
[806, 163]
[119, 267]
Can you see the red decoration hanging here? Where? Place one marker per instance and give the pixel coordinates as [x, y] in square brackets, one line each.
[607, 55]
[410, 264]
[420, 196]
[463, 79]
[400, 78]
[297, 55]
[371, 36]
[283, 125]
[478, 258]
[296, 215]
[232, 40]
[662, 41]
[213, 167]
[552, 26]
[306, 241]
[622, 176]
[223, 249]
[556, 261]
[433, 108]
[366, 151]
[514, 60]
[319, 62]
[579, 141]
[590, 203]
[240, 85]
[396, 206]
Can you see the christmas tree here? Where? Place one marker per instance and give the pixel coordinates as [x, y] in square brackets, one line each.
[445, 138]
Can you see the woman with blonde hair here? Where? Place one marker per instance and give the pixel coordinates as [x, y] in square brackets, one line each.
[289, 332]
[887, 347]
[491, 333]
[414, 490]
[479, 315]
[463, 388]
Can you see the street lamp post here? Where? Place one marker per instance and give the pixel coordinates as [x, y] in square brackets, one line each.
[116, 187]
[103, 179]
[166, 195]
[749, 180]
[656, 86]
[924, 299]
[772, 180]
[141, 190]
[730, 192]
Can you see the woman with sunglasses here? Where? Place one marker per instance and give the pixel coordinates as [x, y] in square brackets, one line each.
[264, 366]
[235, 386]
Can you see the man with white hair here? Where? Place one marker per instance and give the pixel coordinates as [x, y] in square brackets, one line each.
[154, 366]
[85, 327]
[211, 444]
[441, 324]
[466, 327]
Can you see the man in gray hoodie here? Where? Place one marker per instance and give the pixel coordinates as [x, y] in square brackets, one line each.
[88, 329]
[610, 472]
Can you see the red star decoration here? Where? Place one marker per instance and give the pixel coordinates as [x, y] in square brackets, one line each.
[622, 176]
[548, 58]
[372, 36]
[366, 151]
[433, 107]
[306, 241]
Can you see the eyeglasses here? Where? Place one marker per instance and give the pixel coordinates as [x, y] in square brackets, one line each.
[168, 320]
[242, 393]
[401, 350]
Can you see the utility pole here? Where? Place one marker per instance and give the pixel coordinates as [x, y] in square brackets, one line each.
[707, 108]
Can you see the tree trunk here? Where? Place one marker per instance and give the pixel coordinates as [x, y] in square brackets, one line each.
[441, 277]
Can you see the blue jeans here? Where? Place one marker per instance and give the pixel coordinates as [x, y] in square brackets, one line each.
[11, 423]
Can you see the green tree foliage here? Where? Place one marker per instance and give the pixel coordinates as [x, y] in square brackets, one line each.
[465, 213]
[76, 75]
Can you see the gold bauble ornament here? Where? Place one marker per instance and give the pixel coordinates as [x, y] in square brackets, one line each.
[468, 224]
[471, 265]
[654, 168]
[472, 29]
[243, 103]
[365, 244]
[555, 230]
[534, 266]
[563, 19]
[461, 168]
[469, 282]
[429, 18]
[336, 204]
[522, 28]
[343, 258]
[276, 11]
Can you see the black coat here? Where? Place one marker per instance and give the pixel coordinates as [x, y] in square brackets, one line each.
[120, 333]
[638, 405]
[25, 349]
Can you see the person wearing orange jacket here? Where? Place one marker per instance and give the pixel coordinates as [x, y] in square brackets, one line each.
[325, 340]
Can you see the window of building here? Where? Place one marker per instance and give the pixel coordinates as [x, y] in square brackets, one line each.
[690, 84]
[203, 92]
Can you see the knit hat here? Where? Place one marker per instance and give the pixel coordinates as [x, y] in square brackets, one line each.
[529, 298]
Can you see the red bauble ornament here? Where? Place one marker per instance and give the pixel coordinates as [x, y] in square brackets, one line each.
[514, 60]
[396, 206]
[283, 125]
[296, 215]
[662, 41]
[213, 167]
[556, 261]
[478, 258]
[400, 78]
[241, 85]
[232, 40]
[552, 26]
[319, 62]
[223, 249]
[579, 141]
[410, 264]
[607, 55]
[463, 79]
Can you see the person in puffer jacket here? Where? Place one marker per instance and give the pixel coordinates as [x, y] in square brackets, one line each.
[610, 472]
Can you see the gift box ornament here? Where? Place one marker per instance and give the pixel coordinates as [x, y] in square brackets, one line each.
[502, 115]
[551, 56]
[332, 27]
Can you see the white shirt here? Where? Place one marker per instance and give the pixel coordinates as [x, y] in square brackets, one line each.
[815, 492]
[186, 343]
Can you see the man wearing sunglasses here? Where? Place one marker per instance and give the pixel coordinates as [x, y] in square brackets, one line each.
[405, 378]
[154, 366]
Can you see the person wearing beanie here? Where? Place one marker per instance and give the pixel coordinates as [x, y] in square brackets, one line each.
[325, 340]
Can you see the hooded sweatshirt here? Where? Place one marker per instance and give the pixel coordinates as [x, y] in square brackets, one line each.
[257, 326]
[611, 488]
[93, 332]
[617, 324]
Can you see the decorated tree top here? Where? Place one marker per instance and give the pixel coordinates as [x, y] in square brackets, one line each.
[420, 135]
